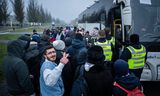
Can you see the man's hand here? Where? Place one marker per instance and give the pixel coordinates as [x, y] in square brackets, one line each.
[64, 59]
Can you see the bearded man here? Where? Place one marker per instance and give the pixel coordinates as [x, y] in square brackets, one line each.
[51, 83]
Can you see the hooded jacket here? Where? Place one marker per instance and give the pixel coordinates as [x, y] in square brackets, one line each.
[123, 78]
[97, 75]
[16, 71]
[77, 56]
[78, 47]
[99, 80]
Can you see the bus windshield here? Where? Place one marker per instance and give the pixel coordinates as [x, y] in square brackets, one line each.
[146, 20]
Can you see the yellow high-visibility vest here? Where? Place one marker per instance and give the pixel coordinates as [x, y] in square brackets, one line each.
[107, 50]
[112, 41]
[137, 57]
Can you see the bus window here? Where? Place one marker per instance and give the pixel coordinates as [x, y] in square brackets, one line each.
[102, 20]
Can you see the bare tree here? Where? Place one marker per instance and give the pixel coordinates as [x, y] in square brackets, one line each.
[18, 7]
[42, 17]
[48, 17]
[1, 12]
[36, 13]
[4, 15]
[32, 11]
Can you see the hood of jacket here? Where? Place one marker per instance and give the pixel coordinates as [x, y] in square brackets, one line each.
[16, 48]
[122, 76]
[129, 82]
[121, 68]
[68, 41]
[77, 44]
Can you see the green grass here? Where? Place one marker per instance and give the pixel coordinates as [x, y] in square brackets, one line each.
[29, 29]
[3, 51]
[9, 36]
[39, 29]
[12, 37]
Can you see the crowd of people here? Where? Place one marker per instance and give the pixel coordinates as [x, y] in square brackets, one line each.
[47, 64]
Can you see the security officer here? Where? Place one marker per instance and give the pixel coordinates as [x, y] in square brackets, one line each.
[135, 55]
[106, 45]
[108, 36]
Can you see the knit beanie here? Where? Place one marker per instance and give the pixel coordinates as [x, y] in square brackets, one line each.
[121, 68]
[58, 45]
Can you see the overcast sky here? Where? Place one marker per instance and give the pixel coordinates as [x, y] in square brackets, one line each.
[66, 10]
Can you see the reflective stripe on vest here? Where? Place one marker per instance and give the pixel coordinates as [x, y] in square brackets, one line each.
[112, 41]
[137, 57]
[107, 51]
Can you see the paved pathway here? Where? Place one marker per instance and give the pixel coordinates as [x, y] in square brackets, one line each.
[3, 41]
[1, 33]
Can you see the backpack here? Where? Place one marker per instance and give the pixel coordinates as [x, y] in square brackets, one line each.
[135, 92]
[79, 87]
[36, 37]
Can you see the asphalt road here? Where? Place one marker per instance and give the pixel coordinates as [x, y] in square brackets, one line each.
[5, 41]
[18, 32]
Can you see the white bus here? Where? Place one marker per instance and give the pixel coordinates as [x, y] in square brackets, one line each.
[133, 16]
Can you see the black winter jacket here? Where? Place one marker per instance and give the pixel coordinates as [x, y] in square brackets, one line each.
[99, 80]
[128, 82]
[16, 71]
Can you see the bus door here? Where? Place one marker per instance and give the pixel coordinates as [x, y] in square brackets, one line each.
[117, 33]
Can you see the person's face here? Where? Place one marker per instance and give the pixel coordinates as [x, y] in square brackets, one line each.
[50, 54]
